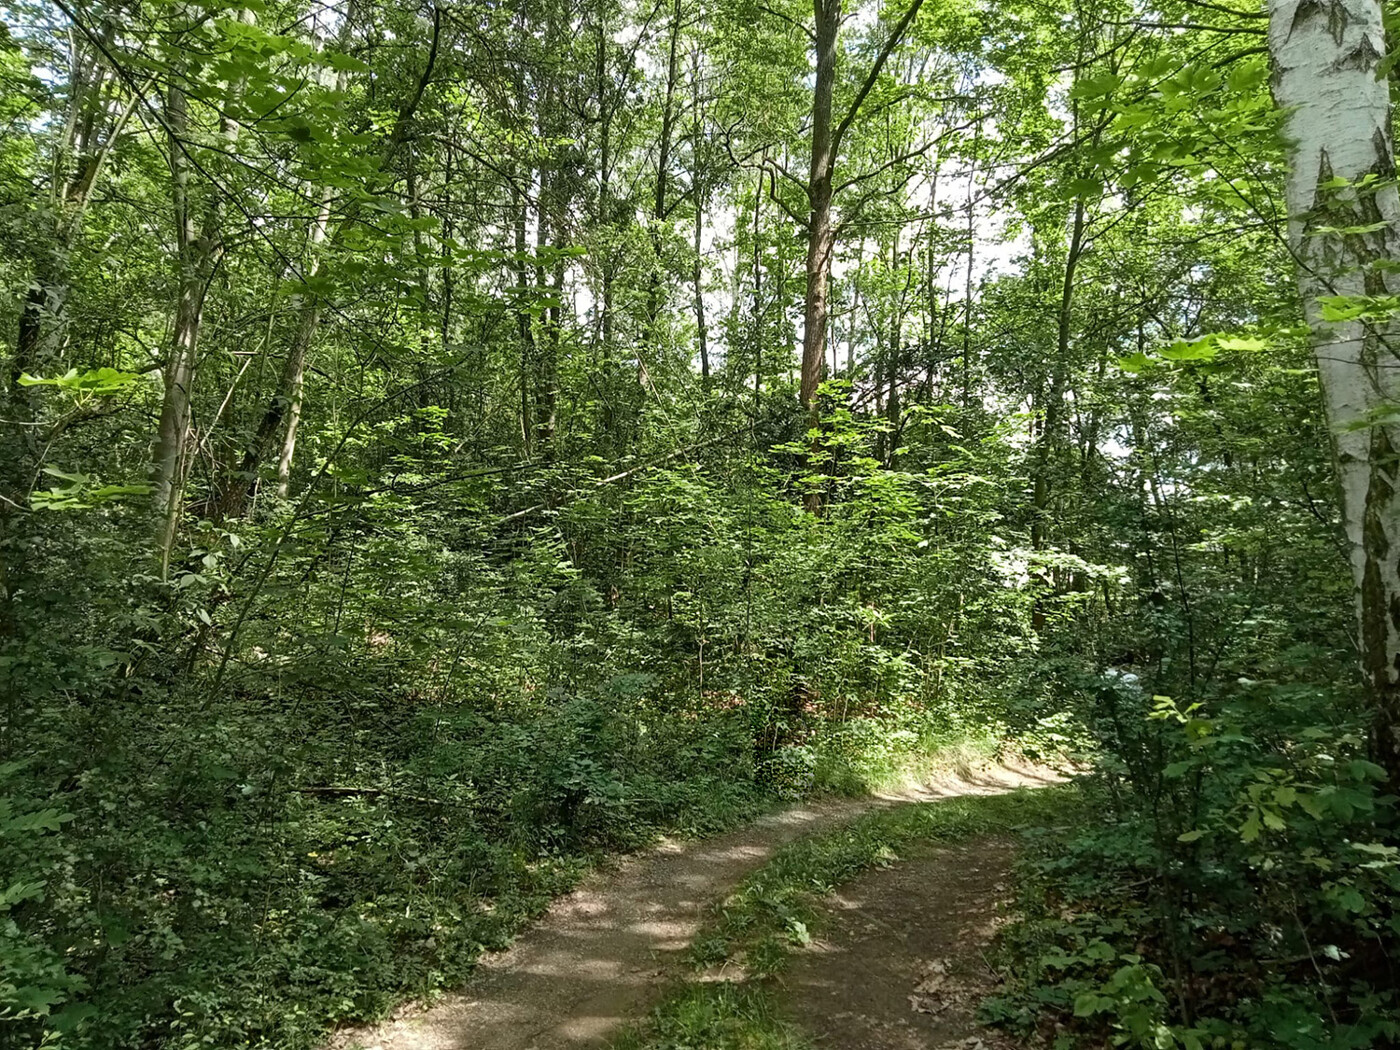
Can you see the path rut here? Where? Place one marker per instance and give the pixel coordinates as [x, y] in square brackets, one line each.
[901, 963]
[600, 955]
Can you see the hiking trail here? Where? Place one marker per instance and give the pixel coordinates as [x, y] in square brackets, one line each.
[602, 954]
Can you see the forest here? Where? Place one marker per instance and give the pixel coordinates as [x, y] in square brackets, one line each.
[449, 445]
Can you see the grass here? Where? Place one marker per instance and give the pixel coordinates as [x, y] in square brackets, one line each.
[863, 755]
[728, 1002]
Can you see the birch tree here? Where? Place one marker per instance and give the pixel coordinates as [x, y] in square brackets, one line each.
[1343, 207]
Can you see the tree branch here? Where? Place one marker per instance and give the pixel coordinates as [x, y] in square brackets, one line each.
[891, 43]
[773, 196]
[785, 18]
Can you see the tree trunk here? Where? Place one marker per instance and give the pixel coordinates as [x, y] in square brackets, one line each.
[1050, 426]
[821, 191]
[698, 280]
[286, 402]
[296, 389]
[820, 235]
[697, 192]
[547, 345]
[758, 308]
[894, 409]
[199, 247]
[967, 277]
[550, 240]
[608, 255]
[90, 130]
[1325, 55]
[656, 287]
[523, 323]
[196, 252]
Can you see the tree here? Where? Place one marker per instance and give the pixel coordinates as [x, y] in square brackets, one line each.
[199, 248]
[821, 188]
[1343, 208]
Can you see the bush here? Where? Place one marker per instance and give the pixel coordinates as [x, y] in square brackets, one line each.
[1238, 889]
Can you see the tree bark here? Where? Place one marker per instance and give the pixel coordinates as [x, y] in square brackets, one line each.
[546, 347]
[1048, 441]
[660, 208]
[523, 322]
[758, 307]
[90, 130]
[967, 276]
[698, 273]
[1059, 377]
[286, 400]
[820, 236]
[894, 409]
[283, 411]
[199, 248]
[1343, 231]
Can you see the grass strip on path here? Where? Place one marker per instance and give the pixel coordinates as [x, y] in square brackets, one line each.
[728, 1000]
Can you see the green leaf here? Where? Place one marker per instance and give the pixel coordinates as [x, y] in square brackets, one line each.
[1341, 308]
[1348, 898]
[1250, 829]
[1244, 344]
[1096, 87]
[798, 933]
[1361, 769]
[1203, 349]
[1086, 1004]
[63, 475]
[98, 381]
[343, 63]
[1100, 951]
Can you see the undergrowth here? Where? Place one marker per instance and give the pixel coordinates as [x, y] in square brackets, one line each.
[1237, 889]
[345, 750]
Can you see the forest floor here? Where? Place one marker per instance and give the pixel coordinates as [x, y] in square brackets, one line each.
[604, 953]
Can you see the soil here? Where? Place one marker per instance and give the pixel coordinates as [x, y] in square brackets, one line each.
[901, 961]
[602, 954]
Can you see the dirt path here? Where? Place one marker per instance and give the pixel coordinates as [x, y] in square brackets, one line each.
[901, 963]
[601, 954]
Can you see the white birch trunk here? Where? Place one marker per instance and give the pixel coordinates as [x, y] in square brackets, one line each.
[1325, 55]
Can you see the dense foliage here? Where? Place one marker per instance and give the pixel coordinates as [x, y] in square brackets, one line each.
[409, 488]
